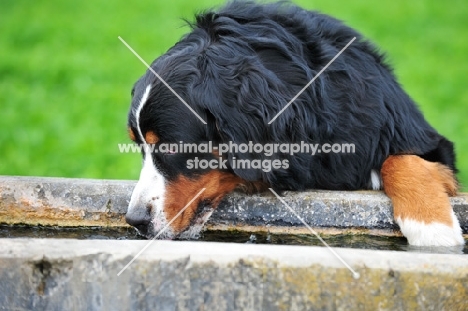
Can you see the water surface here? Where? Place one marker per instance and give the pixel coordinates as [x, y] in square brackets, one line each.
[361, 241]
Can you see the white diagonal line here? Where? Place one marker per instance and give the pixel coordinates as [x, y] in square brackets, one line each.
[312, 81]
[355, 274]
[160, 232]
[161, 79]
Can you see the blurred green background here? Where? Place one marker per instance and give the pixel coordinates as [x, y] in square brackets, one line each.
[65, 78]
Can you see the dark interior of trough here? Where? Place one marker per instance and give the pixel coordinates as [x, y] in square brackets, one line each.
[361, 241]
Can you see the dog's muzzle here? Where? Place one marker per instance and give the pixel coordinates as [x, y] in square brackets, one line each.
[140, 219]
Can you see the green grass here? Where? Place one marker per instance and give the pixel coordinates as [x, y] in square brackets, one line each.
[65, 78]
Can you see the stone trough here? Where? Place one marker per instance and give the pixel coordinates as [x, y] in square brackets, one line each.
[64, 274]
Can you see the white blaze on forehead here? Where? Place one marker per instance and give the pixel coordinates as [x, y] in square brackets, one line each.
[137, 112]
[150, 189]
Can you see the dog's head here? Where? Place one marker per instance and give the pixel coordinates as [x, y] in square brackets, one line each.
[170, 194]
[234, 77]
[172, 197]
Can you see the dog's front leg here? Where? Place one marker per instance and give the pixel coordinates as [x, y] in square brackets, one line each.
[420, 192]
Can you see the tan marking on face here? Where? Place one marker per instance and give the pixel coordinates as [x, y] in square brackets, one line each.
[419, 189]
[151, 137]
[183, 189]
[131, 134]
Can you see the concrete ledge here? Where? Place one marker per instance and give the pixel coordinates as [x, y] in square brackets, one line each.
[64, 201]
[83, 202]
[51, 274]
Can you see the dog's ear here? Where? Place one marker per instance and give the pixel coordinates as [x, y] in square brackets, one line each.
[227, 125]
[237, 118]
[240, 95]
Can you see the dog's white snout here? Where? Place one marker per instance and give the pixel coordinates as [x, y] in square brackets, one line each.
[147, 201]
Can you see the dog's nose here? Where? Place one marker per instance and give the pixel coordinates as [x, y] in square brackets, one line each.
[139, 218]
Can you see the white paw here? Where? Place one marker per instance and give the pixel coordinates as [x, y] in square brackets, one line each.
[431, 234]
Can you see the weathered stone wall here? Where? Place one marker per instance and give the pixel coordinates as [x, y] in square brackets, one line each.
[84, 202]
[39, 274]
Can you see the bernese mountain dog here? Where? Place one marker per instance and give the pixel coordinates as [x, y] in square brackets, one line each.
[227, 81]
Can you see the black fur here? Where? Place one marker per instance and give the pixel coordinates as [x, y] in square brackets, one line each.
[242, 64]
